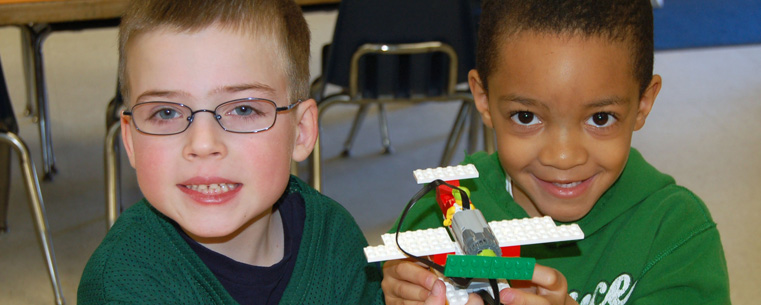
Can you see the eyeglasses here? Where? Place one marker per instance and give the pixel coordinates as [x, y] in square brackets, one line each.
[247, 115]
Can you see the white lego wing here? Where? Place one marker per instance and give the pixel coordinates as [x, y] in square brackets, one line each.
[515, 232]
[418, 243]
[456, 172]
[536, 230]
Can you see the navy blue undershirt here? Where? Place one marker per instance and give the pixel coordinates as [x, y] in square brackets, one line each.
[249, 284]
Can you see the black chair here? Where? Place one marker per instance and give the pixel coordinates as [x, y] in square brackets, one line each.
[407, 51]
[9, 138]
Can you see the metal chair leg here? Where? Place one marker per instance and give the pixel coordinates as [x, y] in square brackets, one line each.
[35, 37]
[38, 209]
[316, 157]
[454, 136]
[358, 119]
[113, 205]
[385, 138]
[26, 58]
[5, 184]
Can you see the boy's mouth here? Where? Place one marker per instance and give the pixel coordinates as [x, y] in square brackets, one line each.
[567, 185]
[566, 189]
[210, 189]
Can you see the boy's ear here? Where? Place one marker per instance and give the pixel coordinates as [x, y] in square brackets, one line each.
[127, 138]
[480, 97]
[647, 100]
[306, 130]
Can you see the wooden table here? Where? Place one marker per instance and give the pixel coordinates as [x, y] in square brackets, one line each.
[15, 12]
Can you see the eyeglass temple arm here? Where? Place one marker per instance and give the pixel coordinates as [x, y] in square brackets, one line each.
[289, 107]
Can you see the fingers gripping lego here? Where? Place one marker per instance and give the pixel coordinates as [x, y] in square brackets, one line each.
[483, 251]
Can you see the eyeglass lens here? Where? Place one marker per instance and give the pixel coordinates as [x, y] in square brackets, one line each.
[165, 118]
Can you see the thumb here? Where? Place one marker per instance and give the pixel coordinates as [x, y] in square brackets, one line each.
[438, 294]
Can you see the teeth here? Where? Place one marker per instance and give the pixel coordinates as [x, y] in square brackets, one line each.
[567, 185]
[212, 188]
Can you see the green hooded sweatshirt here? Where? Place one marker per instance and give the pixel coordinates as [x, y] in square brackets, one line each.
[144, 260]
[647, 240]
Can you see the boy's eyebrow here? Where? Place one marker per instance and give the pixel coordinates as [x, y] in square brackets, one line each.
[243, 87]
[526, 101]
[168, 94]
[614, 100]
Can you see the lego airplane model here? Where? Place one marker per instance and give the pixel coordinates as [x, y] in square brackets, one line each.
[481, 250]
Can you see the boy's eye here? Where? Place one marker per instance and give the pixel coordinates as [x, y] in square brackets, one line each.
[525, 118]
[243, 110]
[601, 119]
[247, 110]
[166, 114]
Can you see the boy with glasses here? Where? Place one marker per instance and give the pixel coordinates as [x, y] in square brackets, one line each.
[217, 109]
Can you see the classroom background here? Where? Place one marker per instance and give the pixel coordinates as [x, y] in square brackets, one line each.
[704, 130]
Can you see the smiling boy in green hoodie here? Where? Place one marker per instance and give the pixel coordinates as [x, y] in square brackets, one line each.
[565, 84]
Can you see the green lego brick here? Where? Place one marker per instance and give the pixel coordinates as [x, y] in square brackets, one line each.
[471, 266]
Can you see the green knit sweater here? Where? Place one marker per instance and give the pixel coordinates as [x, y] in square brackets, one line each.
[143, 259]
[647, 240]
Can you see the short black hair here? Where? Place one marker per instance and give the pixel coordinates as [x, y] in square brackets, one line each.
[629, 21]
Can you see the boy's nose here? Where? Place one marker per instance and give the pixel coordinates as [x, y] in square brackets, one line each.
[564, 150]
[204, 138]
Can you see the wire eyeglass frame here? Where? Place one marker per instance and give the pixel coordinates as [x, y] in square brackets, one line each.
[217, 116]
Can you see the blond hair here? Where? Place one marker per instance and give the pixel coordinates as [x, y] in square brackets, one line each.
[280, 20]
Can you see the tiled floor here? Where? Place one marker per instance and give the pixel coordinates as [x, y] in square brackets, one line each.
[704, 130]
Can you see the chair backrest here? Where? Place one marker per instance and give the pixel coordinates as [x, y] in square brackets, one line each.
[7, 118]
[401, 21]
